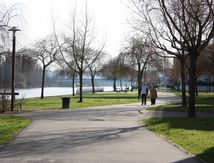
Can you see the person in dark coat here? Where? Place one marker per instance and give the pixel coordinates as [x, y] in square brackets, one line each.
[153, 95]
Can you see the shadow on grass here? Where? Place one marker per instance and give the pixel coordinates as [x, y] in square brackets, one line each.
[197, 133]
[204, 103]
[170, 107]
[111, 97]
[179, 108]
[205, 100]
[188, 160]
[202, 124]
[207, 155]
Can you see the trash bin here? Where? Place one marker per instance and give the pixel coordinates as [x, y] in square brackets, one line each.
[65, 102]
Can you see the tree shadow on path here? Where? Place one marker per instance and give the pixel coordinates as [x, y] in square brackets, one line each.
[63, 141]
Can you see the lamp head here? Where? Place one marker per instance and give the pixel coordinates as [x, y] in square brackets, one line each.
[14, 30]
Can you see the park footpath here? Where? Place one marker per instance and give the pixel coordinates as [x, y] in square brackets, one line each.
[105, 134]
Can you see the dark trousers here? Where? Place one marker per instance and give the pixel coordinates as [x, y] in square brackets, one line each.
[153, 101]
[143, 97]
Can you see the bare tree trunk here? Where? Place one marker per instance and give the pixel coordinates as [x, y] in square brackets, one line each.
[145, 76]
[183, 82]
[192, 85]
[80, 80]
[139, 80]
[43, 82]
[73, 83]
[114, 85]
[92, 84]
[196, 87]
[121, 86]
[131, 85]
[209, 78]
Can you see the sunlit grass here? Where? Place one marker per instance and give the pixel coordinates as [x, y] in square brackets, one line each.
[97, 99]
[10, 126]
[204, 102]
[194, 135]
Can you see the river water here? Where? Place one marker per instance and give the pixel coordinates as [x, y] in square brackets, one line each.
[55, 91]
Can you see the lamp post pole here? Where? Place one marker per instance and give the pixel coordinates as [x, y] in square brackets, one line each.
[14, 30]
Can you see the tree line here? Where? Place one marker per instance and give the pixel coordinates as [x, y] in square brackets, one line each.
[74, 52]
[178, 29]
[182, 29]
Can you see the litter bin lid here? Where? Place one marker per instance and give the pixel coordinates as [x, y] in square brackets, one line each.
[65, 97]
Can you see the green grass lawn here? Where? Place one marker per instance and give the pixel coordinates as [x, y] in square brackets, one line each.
[97, 99]
[194, 135]
[10, 126]
[204, 103]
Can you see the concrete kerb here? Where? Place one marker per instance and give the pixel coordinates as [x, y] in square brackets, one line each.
[167, 140]
[15, 136]
[177, 146]
[140, 112]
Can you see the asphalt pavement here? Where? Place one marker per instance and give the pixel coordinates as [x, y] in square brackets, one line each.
[105, 134]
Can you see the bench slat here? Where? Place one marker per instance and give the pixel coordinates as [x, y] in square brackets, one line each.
[8, 93]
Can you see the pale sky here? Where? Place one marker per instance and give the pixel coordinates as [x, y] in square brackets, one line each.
[110, 17]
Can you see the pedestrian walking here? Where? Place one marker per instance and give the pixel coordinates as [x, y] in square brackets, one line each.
[144, 92]
[153, 95]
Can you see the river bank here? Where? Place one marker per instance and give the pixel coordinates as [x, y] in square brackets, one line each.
[57, 91]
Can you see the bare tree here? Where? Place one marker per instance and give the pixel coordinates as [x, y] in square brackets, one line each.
[186, 25]
[110, 71]
[65, 71]
[95, 67]
[7, 15]
[175, 73]
[45, 51]
[139, 53]
[160, 38]
[77, 47]
[28, 71]
[205, 64]
[126, 69]
[27, 68]
[131, 75]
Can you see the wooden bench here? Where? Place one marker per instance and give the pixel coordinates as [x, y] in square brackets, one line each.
[9, 93]
[123, 90]
[4, 97]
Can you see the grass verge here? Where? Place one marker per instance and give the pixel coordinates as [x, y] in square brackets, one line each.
[194, 135]
[10, 126]
[204, 103]
[98, 99]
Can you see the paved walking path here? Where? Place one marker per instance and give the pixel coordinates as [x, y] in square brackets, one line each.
[107, 134]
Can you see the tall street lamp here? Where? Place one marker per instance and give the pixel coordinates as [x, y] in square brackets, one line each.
[14, 30]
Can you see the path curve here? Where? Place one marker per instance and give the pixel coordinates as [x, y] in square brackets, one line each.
[105, 134]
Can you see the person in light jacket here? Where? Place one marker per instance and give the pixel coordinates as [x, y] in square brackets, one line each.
[153, 95]
[144, 92]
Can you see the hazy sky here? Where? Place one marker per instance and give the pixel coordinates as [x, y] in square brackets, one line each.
[110, 17]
